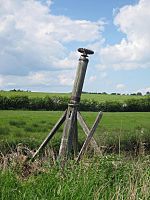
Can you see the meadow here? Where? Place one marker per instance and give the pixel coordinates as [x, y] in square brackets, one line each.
[116, 130]
[122, 171]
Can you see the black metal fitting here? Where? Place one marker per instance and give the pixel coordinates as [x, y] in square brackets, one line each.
[85, 52]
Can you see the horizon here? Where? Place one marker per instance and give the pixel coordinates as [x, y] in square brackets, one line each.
[83, 92]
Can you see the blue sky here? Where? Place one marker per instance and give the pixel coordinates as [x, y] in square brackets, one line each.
[38, 42]
[93, 11]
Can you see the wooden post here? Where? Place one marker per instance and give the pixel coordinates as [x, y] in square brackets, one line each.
[70, 134]
[69, 139]
[66, 145]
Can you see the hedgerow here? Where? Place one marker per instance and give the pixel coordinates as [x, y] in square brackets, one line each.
[61, 103]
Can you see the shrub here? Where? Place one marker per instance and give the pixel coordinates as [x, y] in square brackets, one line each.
[138, 105]
[61, 103]
[36, 103]
[18, 102]
[113, 106]
[48, 103]
[4, 102]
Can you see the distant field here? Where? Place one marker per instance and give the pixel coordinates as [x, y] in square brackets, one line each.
[32, 127]
[96, 97]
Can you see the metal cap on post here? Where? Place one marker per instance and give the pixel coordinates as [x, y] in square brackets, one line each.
[85, 52]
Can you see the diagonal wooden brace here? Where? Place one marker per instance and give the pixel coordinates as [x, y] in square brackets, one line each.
[90, 135]
[51, 134]
[86, 131]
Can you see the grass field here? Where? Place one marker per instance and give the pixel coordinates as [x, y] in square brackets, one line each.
[115, 128]
[122, 172]
[96, 97]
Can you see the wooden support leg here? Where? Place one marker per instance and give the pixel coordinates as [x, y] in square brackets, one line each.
[51, 134]
[90, 135]
[75, 137]
[73, 134]
[86, 131]
[68, 134]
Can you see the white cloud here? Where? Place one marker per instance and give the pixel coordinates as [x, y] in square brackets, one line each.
[134, 50]
[33, 79]
[66, 79]
[69, 62]
[120, 86]
[92, 78]
[38, 80]
[32, 39]
[1, 81]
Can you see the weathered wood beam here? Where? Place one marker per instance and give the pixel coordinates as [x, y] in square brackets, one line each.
[51, 134]
[90, 135]
[70, 138]
[75, 137]
[68, 132]
[86, 131]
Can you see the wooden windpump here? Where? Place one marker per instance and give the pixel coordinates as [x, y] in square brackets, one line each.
[69, 141]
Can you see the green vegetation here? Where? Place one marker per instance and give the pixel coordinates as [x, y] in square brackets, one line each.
[121, 172]
[96, 97]
[32, 94]
[116, 132]
[100, 178]
[17, 102]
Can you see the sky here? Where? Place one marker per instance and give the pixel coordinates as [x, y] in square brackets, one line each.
[39, 41]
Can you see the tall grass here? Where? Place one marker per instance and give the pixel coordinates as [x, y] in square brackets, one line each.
[107, 177]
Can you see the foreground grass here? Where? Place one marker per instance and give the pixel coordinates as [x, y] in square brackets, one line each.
[105, 178]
